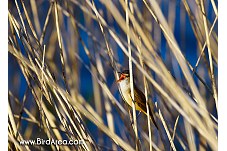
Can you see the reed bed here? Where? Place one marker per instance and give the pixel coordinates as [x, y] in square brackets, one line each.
[64, 59]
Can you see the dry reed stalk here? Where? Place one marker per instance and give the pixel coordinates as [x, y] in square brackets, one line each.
[54, 102]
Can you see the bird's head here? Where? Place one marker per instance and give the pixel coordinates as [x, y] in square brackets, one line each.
[123, 75]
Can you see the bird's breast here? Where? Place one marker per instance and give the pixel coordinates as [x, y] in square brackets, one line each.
[126, 94]
[125, 90]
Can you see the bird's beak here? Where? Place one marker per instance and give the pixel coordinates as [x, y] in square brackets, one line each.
[121, 78]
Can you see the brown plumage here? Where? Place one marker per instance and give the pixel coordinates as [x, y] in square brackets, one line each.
[142, 103]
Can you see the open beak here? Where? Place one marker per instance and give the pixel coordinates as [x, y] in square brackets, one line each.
[121, 78]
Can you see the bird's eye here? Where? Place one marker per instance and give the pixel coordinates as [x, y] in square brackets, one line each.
[126, 75]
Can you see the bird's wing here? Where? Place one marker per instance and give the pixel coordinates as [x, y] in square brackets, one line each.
[141, 102]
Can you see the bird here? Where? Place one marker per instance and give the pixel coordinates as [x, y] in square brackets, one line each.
[139, 97]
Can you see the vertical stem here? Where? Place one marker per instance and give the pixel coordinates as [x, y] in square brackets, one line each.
[60, 43]
[36, 16]
[146, 93]
[131, 77]
[210, 55]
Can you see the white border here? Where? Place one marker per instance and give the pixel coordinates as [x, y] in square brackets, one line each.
[222, 76]
[4, 75]
[222, 70]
